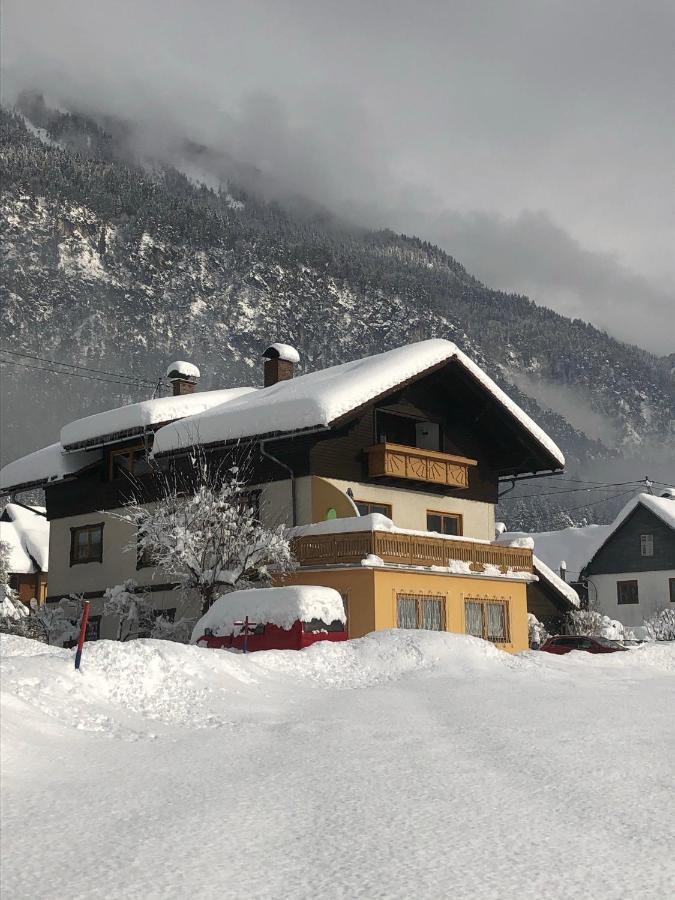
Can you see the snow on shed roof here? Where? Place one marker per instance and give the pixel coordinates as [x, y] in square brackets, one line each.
[281, 606]
[45, 465]
[574, 545]
[663, 507]
[320, 398]
[27, 533]
[562, 587]
[124, 421]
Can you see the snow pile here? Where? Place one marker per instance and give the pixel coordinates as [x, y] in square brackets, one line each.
[135, 417]
[45, 465]
[319, 398]
[281, 606]
[282, 351]
[27, 535]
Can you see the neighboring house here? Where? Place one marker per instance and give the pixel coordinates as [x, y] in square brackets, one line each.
[631, 575]
[26, 532]
[388, 467]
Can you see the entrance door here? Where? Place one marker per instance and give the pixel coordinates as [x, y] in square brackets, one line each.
[428, 435]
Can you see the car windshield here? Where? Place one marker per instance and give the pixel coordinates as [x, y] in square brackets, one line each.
[605, 642]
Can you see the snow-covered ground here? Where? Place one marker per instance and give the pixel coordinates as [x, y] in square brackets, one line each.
[401, 765]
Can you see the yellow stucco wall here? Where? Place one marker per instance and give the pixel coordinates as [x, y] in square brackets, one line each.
[371, 597]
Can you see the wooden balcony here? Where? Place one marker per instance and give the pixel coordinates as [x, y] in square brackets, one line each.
[416, 464]
[407, 550]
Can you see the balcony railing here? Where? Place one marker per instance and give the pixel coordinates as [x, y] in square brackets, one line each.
[416, 464]
[407, 550]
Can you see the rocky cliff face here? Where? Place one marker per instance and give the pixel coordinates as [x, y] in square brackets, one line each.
[114, 266]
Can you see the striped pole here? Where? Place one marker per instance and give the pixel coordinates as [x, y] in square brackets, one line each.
[83, 631]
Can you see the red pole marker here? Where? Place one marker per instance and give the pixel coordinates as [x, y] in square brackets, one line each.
[83, 631]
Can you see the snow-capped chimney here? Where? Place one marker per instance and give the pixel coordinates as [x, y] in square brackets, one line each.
[563, 570]
[183, 377]
[280, 362]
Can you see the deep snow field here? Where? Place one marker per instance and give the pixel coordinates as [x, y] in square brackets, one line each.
[402, 765]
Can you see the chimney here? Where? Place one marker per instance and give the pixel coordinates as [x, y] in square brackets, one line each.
[183, 377]
[280, 362]
[563, 570]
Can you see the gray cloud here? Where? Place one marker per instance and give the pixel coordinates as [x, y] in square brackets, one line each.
[532, 140]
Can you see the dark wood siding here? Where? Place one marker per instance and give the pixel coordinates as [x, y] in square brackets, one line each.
[621, 553]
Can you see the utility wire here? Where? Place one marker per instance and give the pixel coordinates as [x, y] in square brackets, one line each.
[598, 502]
[573, 491]
[77, 366]
[128, 384]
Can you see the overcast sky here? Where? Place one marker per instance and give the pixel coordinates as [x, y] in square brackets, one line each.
[533, 139]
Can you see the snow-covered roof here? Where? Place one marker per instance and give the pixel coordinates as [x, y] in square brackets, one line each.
[181, 367]
[319, 399]
[557, 583]
[663, 507]
[124, 421]
[27, 534]
[45, 465]
[574, 545]
[282, 351]
[281, 606]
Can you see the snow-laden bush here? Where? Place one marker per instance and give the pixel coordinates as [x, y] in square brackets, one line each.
[133, 609]
[537, 632]
[661, 626]
[591, 623]
[204, 532]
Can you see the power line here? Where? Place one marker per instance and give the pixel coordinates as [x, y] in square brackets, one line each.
[598, 502]
[14, 362]
[573, 490]
[77, 366]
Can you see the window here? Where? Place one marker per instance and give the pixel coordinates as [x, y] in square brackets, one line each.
[366, 507]
[93, 631]
[444, 523]
[627, 592]
[646, 545]
[671, 589]
[488, 619]
[128, 462]
[417, 611]
[86, 544]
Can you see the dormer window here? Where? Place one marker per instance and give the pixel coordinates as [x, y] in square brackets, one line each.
[128, 462]
[646, 545]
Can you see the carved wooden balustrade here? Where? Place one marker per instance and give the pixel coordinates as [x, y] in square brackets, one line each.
[416, 464]
[408, 550]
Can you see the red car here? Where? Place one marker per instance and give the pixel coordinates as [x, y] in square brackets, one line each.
[271, 637]
[566, 643]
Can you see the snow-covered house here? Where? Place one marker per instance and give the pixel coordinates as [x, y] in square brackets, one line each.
[631, 573]
[25, 531]
[388, 467]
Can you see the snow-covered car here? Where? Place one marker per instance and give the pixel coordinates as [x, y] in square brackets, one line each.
[285, 618]
[566, 643]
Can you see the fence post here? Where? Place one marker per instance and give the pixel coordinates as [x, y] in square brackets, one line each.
[83, 631]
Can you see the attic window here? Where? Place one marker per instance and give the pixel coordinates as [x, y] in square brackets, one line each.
[128, 462]
[646, 545]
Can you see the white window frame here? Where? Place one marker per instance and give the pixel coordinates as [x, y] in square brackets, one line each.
[646, 545]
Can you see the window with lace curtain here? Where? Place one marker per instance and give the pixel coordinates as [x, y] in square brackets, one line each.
[487, 619]
[420, 611]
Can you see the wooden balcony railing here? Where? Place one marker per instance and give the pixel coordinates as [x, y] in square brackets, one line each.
[416, 464]
[408, 550]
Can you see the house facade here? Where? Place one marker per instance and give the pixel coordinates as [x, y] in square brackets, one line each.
[631, 576]
[387, 469]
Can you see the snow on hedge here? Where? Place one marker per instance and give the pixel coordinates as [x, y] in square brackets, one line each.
[320, 398]
[134, 417]
[27, 534]
[281, 606]
[48, 464]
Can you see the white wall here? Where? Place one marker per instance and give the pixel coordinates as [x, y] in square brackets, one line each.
[653, 593]
[409, 508]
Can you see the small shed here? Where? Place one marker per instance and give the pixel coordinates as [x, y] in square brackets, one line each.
[25, 530]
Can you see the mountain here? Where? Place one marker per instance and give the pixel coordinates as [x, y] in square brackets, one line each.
[119, 264]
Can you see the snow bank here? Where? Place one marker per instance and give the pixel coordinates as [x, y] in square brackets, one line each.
[319, 398]
[281, 606]
[131, 419]
[48, 464]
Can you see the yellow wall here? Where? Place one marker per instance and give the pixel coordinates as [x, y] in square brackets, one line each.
[371, 597]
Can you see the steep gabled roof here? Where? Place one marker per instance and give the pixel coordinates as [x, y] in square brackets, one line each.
[323, 398]
[662, 507]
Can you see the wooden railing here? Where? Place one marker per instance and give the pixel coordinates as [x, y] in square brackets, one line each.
[416, 464]
[407, 550]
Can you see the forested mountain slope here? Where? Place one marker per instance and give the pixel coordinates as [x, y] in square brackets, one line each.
[120, 266]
